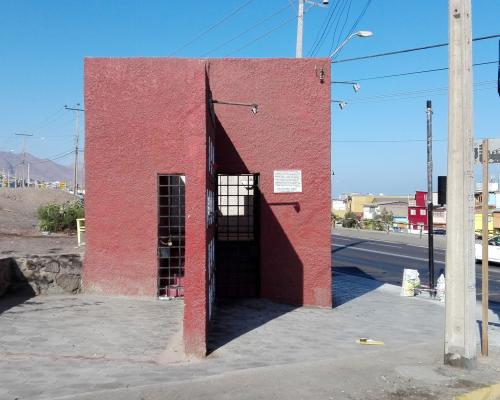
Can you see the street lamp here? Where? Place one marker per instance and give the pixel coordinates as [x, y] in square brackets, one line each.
[362, 34]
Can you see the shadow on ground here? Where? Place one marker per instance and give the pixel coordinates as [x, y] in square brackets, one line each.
[347, 285]
[235, 318]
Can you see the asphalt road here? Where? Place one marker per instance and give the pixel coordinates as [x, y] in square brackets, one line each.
[385, 261]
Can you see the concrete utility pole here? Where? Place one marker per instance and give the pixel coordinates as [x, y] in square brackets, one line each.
[300, 29]
[77, 111]
[24, 135]
[460, 325]
[430, 206]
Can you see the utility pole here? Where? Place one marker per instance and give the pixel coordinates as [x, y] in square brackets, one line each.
[430, 206]
[77, 111]
[460, 323]
[24, 135]
[485, 260]
[300, 29]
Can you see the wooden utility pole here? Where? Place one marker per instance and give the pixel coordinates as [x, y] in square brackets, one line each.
[460, 324]
[484, 292]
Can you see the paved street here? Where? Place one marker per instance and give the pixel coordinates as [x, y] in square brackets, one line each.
[384, 260]
[91, 347]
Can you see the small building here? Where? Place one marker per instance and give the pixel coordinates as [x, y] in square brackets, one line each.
[417, 214]
[397, 208]
[339, 208]
[208, 180]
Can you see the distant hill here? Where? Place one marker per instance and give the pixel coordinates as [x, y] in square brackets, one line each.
[39, 168]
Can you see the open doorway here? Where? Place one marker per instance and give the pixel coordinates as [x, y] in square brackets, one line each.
[237, 236]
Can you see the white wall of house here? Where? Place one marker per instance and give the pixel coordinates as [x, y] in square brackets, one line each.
[369, 212]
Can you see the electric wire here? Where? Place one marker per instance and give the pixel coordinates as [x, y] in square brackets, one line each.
[357, 21]
[385, 140]
[417, 94]
[327, 27]
[424, 71]
[320, 29]
[212, 27]
[55, 157]
[335, 43]
[262, 21]
[360, 17]
[390, 53]
[287, 21]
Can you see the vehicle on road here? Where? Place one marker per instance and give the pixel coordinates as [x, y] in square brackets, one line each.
[493, 249]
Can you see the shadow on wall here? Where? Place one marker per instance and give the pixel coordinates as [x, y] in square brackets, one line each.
[280, 269]
[14, 288]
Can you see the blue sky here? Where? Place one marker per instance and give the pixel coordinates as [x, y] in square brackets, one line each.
[42, 45]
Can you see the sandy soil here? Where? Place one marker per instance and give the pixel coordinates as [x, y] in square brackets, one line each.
[19, 234]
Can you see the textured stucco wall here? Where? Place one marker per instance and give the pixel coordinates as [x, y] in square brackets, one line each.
[144, 117]
[290, 131]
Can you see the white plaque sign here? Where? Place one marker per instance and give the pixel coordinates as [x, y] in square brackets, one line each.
[289, 181]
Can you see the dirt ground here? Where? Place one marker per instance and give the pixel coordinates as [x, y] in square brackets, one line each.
[19, 234]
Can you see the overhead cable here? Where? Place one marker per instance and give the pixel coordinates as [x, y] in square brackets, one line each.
[279, 11]
[327, 27]
[390, 53]
[212, 27]
[424, 71]
[355, 24]
[287, 21]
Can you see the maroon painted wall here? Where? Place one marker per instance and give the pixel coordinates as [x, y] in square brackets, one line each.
[144, 117]
[290, 131]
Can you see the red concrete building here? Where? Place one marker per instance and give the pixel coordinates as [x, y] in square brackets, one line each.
[417, 214]
[208, 179]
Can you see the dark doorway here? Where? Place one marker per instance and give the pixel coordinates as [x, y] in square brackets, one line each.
[171, 235]
[237, 245]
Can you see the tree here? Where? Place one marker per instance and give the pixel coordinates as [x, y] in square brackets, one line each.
[383, 221]
[350, 220]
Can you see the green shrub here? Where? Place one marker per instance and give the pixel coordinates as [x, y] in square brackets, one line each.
[54, 217]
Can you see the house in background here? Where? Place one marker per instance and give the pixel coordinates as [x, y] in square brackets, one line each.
[339, 207]
[417, 213]
[398, 208]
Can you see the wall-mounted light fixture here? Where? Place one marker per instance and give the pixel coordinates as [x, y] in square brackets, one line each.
[342, 104]
[253, 106]
[355, 85]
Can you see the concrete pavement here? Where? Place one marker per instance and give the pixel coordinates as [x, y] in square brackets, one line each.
[86, 347]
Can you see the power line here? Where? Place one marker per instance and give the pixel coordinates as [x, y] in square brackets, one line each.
[418, 94]
[360, 16]
[327, 27]
[212, 27]
[279, 11]
[264, 35]
[343, 26]
[322, 29]
[385, 140]
[424, 71]
[390, 53]
[54, 157]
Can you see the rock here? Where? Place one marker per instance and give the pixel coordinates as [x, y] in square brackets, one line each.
[52, 266]
[70, 283]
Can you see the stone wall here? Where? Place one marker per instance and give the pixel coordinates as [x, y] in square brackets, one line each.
[44, 274]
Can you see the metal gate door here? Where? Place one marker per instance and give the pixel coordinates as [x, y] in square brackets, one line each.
[171, 235]
[237, 246]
